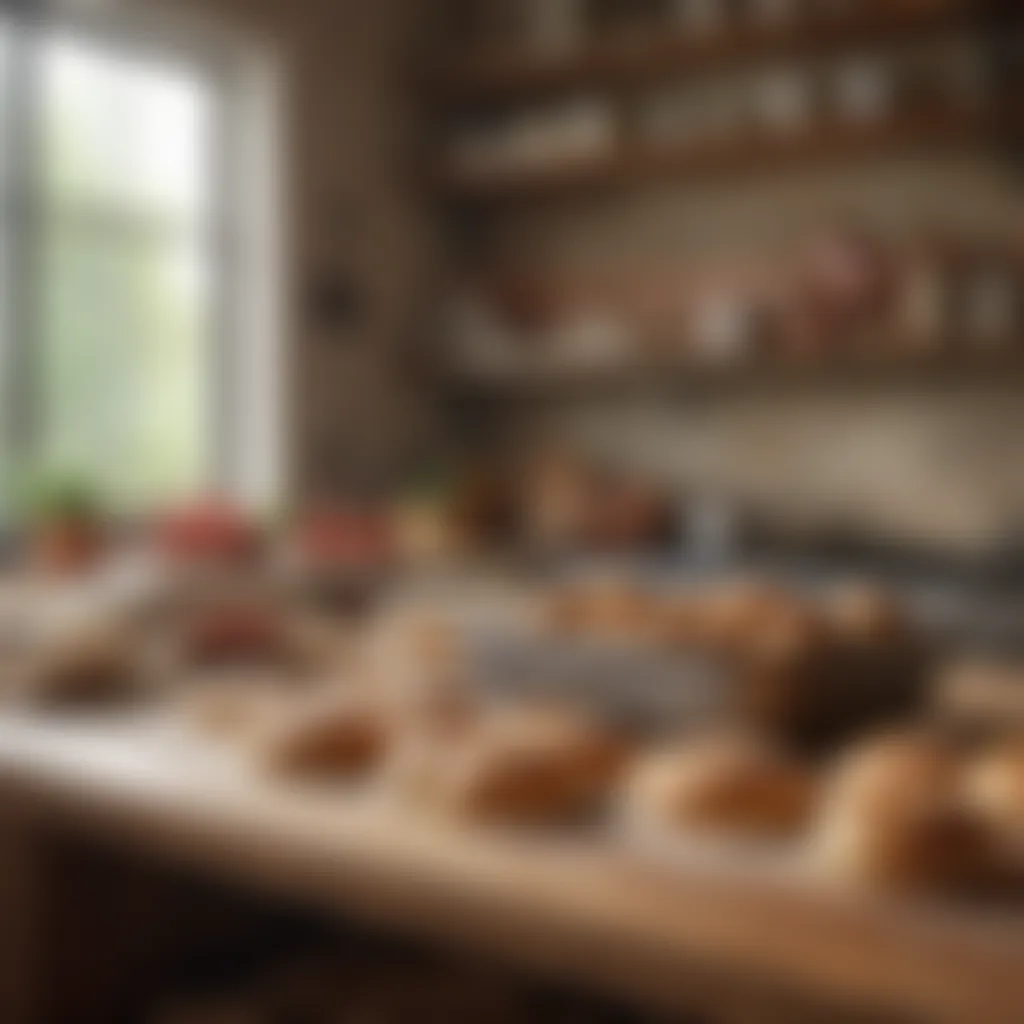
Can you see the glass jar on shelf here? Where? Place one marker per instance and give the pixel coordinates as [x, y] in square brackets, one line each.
[726, 328]
[785, 100]
[992, 300]
[701, 19]
[835, 11]
[865, 90]
[722, 113]
[667, 119]
[925, 298]
[773, 15]
[554, 26]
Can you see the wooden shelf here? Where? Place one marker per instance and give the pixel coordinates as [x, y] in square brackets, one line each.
[883, 368]
[753, 154]
[502, 75]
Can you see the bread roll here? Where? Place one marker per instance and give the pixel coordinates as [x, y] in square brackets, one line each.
[747, 609]
[894, 770]
[733, 783]
[995, 785]
[681, 621]
[866, 614]
[895, 814]
[605, 609]
[737, 618]
[986, 698]
[520, 766]
[86, 663]
[338, 738]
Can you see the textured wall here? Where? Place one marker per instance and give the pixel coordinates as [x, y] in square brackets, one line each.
[355, 215]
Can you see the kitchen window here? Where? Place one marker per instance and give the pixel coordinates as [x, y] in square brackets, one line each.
[120, 273]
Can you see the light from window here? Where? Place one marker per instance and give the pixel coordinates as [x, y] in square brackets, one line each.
[113, 251]
[4, 259]
[124, 313]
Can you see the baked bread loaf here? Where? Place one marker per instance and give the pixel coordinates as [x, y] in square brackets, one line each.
[984, 698]
[725, 783]
[867, 614]
[93, 662]
[896, 814]
[742, 613]
[340, 737]
[515, 766]
[995, 786]
[816, 674]
[604, 609]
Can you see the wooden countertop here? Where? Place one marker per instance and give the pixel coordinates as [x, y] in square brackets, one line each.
[668, 932]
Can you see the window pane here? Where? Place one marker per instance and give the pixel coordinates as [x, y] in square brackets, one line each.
[123, 310]
[6, 40]
[5, 305]
[123, 361]
[123, 131]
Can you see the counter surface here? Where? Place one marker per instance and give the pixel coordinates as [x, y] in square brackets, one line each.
[667, 928]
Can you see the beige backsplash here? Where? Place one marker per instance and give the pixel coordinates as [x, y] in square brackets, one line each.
[936, 465]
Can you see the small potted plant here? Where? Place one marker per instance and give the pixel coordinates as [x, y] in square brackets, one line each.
[64, 524]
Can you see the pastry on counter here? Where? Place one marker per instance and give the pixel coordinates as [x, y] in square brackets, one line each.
[773, 650]
[896, 768]
[865, 614]
[896, 814]
[808, 671]
[340, 737]
[732, 617]
[526, 765]
[817, 674]
[983, 697]
[752, 614]
[730, 783]
[681, 621]
[995, 785]
[603, 609]
[85, 663]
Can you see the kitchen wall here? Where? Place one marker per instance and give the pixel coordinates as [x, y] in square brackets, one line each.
[361, 244]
